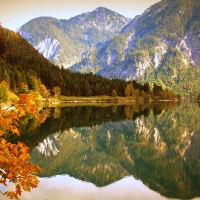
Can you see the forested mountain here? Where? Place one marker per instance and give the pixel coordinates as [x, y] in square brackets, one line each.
[23, 69]
[162, 45]
[65, 42]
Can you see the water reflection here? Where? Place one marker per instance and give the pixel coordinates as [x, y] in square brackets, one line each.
[158, 144]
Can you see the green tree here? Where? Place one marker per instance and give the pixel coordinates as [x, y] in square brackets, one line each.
[3, 92]
[86, 88]
[114, 93]
[24, 88]
[32, 82]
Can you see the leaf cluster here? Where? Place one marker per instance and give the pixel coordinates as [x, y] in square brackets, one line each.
[14, 158]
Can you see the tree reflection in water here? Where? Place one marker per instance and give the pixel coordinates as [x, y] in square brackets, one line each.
[156, 143]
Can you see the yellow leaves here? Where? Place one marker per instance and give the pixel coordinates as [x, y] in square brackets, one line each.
[11, 195]
[24, 153]
[28, 104]
[14, 158]
[2, 133]
[27, 99]
[9, 118]
[15, 166]
[21, 113]
[14, 130]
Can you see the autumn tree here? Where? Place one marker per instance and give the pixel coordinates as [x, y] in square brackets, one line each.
[56, 91]
[43, 91]
[129, 90]
[14, 158]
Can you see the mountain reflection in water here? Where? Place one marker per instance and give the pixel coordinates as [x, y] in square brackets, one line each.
[158, 144]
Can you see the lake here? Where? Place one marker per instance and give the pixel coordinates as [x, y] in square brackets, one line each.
[135, 151]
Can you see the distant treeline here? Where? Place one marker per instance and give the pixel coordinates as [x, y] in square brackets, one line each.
[24, 70]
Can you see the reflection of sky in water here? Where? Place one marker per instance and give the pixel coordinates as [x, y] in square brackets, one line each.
[68, 188]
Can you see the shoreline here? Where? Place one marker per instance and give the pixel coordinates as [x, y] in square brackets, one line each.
[98, 100]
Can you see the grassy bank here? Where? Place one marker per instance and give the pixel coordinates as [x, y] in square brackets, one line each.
[73, 100]
[95, 99]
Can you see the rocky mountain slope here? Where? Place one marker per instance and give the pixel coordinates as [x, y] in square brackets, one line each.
[65, 42]
[23, 69]
[162, 45]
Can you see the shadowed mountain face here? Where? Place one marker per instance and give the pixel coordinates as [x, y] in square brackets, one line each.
[66, 42]
[158, 145]
[162, 45]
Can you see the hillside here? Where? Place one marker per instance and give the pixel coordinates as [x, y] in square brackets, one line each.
[162, 45]
[23, 70]
[66, 42]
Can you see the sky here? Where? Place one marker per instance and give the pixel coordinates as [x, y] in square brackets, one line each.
[15, 13]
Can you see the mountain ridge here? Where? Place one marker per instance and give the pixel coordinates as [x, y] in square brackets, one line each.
[166, 31]
[68, 41]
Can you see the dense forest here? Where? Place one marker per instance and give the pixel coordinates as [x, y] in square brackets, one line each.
[24, 70]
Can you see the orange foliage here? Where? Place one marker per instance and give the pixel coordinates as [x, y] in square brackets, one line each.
[14, 158]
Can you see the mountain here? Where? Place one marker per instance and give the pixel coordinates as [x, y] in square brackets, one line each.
[162, 45]
[24, 70]
[65, 42]
[21, 64]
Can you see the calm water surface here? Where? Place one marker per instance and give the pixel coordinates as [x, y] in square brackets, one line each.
[115, 152]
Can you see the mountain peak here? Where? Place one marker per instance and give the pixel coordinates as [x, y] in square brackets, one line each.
[74, 37]
[108, 11]
[100, 8]
[144, 49]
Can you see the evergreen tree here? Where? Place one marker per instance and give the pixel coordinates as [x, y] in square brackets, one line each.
[114, 93]
[3, 91]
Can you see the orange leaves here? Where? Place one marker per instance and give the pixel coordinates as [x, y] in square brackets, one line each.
[28, 104]
[14, 130]
[2, 133]
[15, 166]
[11, 195]
[8, 121]
[14, 158]
[9, 118]
[27, 99]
